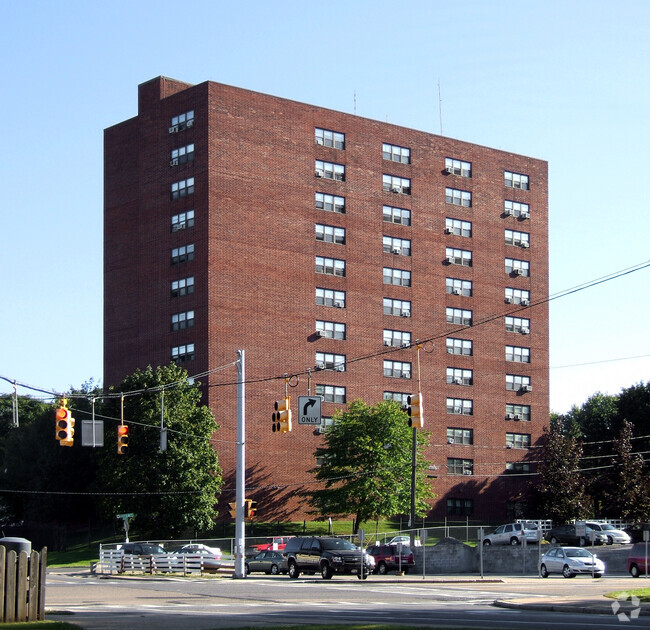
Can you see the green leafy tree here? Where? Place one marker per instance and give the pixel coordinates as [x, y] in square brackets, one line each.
[366, 465]
[626, 490]
[560, 492]
[169, 492]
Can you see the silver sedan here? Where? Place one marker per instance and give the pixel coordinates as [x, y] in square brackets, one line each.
[569, 562]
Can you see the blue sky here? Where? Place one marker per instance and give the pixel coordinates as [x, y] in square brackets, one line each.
[567, 82]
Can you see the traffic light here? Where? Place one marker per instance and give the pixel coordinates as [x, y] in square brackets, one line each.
[64, 424]
[122, 439]
[250, 507]
[282, 415]
[414, 411]
[233, 509]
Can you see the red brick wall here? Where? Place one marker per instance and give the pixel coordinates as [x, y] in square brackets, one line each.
[255, 277]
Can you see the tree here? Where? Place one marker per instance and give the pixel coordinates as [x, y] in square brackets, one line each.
[626, 492]
[559, 493]
[366, 465]
[172, 491]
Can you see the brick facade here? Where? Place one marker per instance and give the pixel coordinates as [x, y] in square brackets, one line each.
[255, 279]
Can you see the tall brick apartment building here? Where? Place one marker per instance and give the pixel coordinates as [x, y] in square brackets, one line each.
[315, 239]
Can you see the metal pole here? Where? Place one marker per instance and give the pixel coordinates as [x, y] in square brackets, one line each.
[240, 482]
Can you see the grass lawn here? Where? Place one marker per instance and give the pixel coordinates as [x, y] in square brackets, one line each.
[642, 593]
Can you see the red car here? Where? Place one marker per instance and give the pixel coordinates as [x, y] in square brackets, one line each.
[277, 543]
[636, 564]
[387, 558]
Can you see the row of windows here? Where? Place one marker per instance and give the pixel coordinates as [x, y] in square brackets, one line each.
[396, 153]
[458, 466]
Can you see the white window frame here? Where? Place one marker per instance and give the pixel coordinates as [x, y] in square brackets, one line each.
[397, 277]
[460, 466]
[183, 220]
[182, 286]
[517, 296]
[459, 435]
[518, 325]
[331, 393]
[460, 406]
[513, 266]
[396, 246]
[515, 382]
[399, 397]
[329, 170]
[398, 308]
[395, 153]
[181, 321]
[399, 216]
[330, 266]
[330, 361]
[516, 180]
[462, 257]
[458, 316]
[518, 440]
[516, 209]
[517, 354]
[182, 155]
[182, 188]
[183, 254]
[458, 197]
[181, 122]
[330, 297]
[397, 338]
[516, 238]
[329, 203]
[397, 369]
[456, 286]
[517, 412]
[329, 138]
[460, 376]
[458, 167]
[181, 354]
[396, 184]
[329, 233]
[458, 227]
[331, 330]
[461, 347]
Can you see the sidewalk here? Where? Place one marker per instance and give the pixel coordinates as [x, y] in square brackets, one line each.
[584, 605]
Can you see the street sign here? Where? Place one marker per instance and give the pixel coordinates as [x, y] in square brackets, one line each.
[126, 516]
[309, 409]
[92, 433]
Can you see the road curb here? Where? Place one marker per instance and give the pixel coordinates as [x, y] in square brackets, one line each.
[591, 609]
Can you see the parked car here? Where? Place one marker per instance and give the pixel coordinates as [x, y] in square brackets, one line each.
[570, 561]
[636, 561]
[566, 535]
[613, 535]
[393, 557]
[512, 534]
[327, 556]
[277, 543]
[141, 549]
[636, 531]
[405, 540]
[210, 556]
[269, 562]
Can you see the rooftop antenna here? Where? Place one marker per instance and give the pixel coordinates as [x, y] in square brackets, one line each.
[440, 106]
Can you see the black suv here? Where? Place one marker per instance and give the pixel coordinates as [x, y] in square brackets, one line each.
[326, 556]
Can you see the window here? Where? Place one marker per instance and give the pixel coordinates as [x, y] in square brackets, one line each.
[456, 286]
[517, 296]
[397, 307]
[518, 467]
[330, 266]
[330, 203]
[399, 397]
[458, 257]
[330, 234]
[182, 254]
[328, 170]
[515, 382]
[518, 324]
[517, 267]
[460, 436]
[460, 406]
[397, 369]
[327, 361]
[397, 246]
[518, 440]
[181, 122]
[328, 138]
[458, 197]
[331, 393]
[397, 338]
[456, 466]
[515, 180]
[398, 277]
[517, 354]
[458, 167]
[184, 286]
[183, 220]
[521, 239]
[182, 155]
[395, 153]
[458, 316]
[180, 354]
[333, 330]
[182, 188]
[516, 209]
[180, 321]
[397, 215]
[458, 227]
[459, 376]
[460, 507]
[327, 297]
[393, 183]
[517, 412]
[459, 346]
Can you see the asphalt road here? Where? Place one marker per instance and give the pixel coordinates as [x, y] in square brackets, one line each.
[97, 603]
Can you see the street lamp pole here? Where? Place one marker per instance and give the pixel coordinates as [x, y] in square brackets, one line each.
[414, 457]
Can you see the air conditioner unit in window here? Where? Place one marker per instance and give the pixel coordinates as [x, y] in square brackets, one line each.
[518, 271]
[405, 375]
[525, 331]
[450, 351]
[457, 381]
[450, 260]
[458, 410]
[525, 302]
[508, 300]
[396, 189]
[396, 249]
[320, 366]
[320, 430]
[339, 304]
[190, 123]
[526, 388]
[508, 445]
[467, 472]
[319, 141]
[405, 313]
[387, 342]
[319, 173]
[449, 230]
[449, 169]
[517, 417]
[525, 244]
[173, 129]
[320, 333]
[507, 213]
[456, 291]
[340, 367]
[510, 416]
[524, 215]
[406, 344]
[173, 162]
[450, 440]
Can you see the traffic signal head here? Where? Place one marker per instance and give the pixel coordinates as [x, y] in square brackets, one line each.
[282, 415]
[250, 507]
[233, 509]
[414, 411]
[64, 424]
[122, 439]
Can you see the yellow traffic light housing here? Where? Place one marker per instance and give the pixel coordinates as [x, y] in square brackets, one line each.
[233, 509]
[250, 507]
[64, 424]
[122, 439]
[282, 415]
[414, 410]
